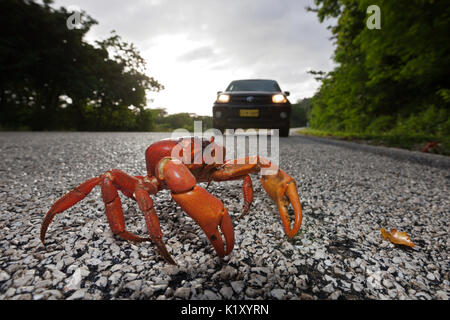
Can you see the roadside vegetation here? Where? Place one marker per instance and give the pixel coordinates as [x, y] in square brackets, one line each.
[410, 142]
[391, 85]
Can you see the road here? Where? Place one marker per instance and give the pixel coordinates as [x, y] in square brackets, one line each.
[348, 193]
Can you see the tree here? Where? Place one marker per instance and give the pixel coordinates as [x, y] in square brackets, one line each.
[385, 79]
[52, 79]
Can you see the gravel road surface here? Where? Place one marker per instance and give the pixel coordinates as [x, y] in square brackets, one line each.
[348, 193]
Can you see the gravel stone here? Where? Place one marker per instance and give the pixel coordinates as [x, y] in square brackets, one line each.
[79, 294]
[74, 281]
[278, 293]
[357, 287]
[10, 292]
[226, 292]
[397, 260]
[237, 286]
[182, 293]
[209, 295]
[116, 267]
[257, 280]
[101, 282]
[374, 280]
[431, 276]
[441, 295]
[423, 295]
[320, 254]
[328, 288]
[335, 295]
[25, 296]
[305, 296]
[4, 276]
[48, 294]
[250, 292]
[43, 284]
[134, 285]
[387, 283]
[227, 272]
[169, 292]
[159, 287]
[130, 276]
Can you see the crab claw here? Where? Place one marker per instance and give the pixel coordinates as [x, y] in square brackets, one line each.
[282, 189]
[211, 215]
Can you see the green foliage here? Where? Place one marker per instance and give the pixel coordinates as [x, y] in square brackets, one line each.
[399, 139]
[299, 113]
[392, 80]
[165, 122]
[431, 121]
[51, 79]
[380, 124]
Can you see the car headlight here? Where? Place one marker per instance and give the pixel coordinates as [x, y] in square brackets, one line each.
[278, 98]
[223, 98]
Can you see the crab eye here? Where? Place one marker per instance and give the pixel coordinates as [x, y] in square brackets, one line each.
[205, 143]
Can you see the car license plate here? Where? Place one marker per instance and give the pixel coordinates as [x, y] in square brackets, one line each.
[249, 113]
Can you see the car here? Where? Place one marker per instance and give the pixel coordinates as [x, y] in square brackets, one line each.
[252, 103]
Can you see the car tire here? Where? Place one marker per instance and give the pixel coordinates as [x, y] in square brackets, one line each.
[284, 132]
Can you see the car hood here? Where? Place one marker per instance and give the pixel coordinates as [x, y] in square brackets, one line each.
[251, 93]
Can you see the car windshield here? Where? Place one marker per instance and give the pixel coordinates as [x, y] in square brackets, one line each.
[254, 85]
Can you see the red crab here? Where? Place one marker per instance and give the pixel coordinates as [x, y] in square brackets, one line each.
[203, 161]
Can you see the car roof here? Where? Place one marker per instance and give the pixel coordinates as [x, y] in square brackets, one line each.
[258, 91]
[254, 80]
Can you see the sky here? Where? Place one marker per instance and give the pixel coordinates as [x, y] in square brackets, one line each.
[197, 47]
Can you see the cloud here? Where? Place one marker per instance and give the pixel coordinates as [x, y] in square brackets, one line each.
[207, 43]
[204, 52]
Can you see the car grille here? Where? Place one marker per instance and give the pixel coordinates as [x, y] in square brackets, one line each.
[256, 100]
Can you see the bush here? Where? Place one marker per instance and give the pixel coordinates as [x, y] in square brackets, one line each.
[430, 122]
[381, 124]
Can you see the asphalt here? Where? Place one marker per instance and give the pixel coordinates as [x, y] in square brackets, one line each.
[348, 192]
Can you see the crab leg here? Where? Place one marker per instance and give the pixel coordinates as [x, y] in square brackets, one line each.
[278, 184]
[208, 211]
[151, 219]
[113, 205]
[114, 212]
[247, 191]
[67, 201]
[126, 183]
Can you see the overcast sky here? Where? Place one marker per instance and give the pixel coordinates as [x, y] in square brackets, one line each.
[196, 47]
